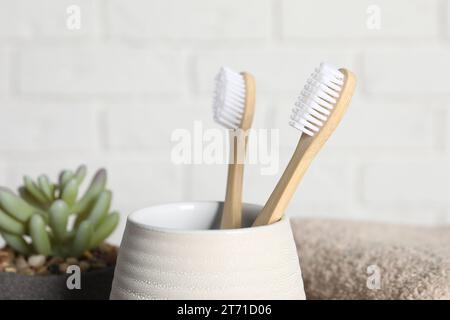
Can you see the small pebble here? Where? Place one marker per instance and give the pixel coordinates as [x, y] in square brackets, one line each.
[103, 256]
[36, 261]
[42, 270]
[88, 255]
[71, 261]
[10, 252]
[63, 267]
[28, 272]
[21, 263]
[84, 266]
[104, 247]
[111, 259]
[55, 260]
[4, 255]
[53, 268]
[6, 259]
[10, 269]
[98, 265]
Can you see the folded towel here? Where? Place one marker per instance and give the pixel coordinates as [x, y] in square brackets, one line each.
[410, 262]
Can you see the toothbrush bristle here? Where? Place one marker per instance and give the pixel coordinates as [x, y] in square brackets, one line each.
[317, 100]
[229, 98]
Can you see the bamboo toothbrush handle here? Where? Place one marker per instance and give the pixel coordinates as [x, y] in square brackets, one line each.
[283, 192]
[232, 209]
[307, 149]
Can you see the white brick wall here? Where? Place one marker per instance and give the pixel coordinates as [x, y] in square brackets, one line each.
[386, 70]
[4, 66]
[3, 171]
[408, 182]
[46, 18]
[194, 19]
[111, 93]
[98, 70]
[401, 19]
[145, 128]
[43, 127]
[377, 124]
[325, 177]
[446, 133]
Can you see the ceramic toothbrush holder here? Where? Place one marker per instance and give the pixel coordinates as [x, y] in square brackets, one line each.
[175, 251]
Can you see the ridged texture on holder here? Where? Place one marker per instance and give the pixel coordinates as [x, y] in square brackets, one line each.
[247, 265]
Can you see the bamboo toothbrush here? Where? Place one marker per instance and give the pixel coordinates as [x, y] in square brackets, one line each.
[234, 103]
[318, 111]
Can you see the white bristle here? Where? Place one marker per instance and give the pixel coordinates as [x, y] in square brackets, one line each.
[229, 98]
[318, 98]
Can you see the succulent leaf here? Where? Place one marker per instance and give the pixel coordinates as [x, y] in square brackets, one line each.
[25, 195]
[101, 208]
[45, 187]
[97, 185]
[81, 217]
[64, 177]
[38, 220]
[10, 225]
[104, 229]
[70, 192]
[82, 238]
[58, 219]
[80, 174]
[15, 206]
[39, 235]
[33, 189]
[7, 190]
[43, 214]
[17, 243]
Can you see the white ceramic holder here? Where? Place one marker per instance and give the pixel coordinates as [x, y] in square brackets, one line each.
[176, 251]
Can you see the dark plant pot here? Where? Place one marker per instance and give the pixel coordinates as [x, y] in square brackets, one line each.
[95, 285]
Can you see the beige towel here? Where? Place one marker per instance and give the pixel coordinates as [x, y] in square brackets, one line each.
[410, 262]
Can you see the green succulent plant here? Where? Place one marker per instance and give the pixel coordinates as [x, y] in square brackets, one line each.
[50, 219]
